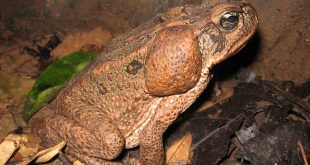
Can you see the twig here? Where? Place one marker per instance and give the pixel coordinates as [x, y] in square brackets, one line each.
[302, 150]
[287, 95]
[305, 107]
[213, 132]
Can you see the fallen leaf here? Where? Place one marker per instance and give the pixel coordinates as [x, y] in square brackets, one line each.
[179, 151]
[14, 86]
[45, 155]
[18, 138]
[77, 163]
[53, 78]
[7, 148]
[7, 124]
[75, 42]
[4, 104]
[10, 144]
[228, 93]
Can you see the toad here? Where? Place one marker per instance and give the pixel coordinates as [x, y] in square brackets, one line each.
[144, 79]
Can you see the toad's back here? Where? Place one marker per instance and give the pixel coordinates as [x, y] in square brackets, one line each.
[115, 87]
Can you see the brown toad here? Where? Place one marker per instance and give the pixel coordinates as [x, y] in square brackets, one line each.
[144, 79]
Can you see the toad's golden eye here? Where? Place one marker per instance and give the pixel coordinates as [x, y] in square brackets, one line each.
[229, 20]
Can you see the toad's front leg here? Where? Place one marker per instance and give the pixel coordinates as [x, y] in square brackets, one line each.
[151, 145]
[91, 136]
[172, 68]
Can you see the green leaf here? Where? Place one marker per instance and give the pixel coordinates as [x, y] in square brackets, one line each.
[56, 75]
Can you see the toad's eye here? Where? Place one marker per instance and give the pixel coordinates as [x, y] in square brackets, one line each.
[229, 20]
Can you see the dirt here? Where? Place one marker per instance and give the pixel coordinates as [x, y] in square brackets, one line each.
[282, 45]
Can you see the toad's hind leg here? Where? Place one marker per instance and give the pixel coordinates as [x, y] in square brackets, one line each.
[88, 133]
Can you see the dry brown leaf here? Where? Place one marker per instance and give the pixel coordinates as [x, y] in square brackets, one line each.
[179, 151]
[7, 148]
[5, 105]
[18, 138]
[14, 86]
[228, 93]
[13, 60]
[45, 155]
[77, 163]
[28, 145]
[75, 42]
[7, 124]
[10, 144]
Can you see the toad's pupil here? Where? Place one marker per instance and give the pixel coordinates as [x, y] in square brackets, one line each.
[232, 19]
